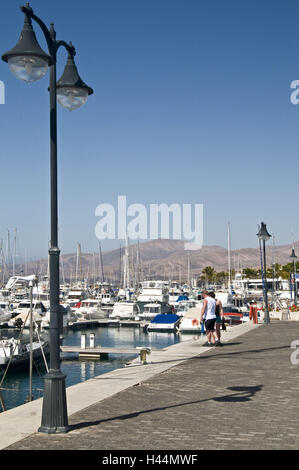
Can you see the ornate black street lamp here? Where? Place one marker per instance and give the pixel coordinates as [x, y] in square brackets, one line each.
[263, 236]
[29, 62]
[293, 256]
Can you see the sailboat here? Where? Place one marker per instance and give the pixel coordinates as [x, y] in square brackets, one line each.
[17, 353]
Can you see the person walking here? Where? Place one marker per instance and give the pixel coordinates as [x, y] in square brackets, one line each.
[253, 312]
[208, 315]
[219, 318]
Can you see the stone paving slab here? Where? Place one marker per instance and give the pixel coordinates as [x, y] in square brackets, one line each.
[241, 396]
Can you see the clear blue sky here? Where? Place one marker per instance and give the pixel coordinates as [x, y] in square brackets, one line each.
[191, 105]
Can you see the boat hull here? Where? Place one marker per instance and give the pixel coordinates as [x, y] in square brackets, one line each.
[167, 323]
[160, 328]
[21, 362]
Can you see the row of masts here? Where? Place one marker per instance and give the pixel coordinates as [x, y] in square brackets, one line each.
[8, 255]
[130, 273]
[127, 264]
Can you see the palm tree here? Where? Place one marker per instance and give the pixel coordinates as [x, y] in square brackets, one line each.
[250, 272]
[208, 273]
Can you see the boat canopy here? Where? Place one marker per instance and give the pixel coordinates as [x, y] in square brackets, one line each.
[182, 297]
[166, 318]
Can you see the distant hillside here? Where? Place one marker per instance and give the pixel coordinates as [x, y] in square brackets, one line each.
[159, 259]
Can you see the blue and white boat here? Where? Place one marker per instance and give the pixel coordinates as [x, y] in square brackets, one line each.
[165, 322]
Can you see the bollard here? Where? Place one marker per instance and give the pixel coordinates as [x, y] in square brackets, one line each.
[143, 353]
[83, 341]
[91, 340]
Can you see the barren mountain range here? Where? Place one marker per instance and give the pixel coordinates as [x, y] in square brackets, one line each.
[164, 259]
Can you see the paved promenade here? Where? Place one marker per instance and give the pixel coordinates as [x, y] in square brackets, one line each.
[244, 395]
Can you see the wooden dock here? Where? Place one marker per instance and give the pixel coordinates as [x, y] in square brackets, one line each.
[99, 351]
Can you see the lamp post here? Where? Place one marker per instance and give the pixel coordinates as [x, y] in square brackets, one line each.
[293, 256]
[29, 62]
[263, 236]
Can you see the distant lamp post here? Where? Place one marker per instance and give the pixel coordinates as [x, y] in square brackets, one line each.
[263, 236]
[29, 62]
[293, 257]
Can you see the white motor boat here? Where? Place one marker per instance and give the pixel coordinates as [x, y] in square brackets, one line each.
[90, 309]
[125, 311]
[153, 309]
[153, 291]
[190, 322]
[74, 296]
[107, 298]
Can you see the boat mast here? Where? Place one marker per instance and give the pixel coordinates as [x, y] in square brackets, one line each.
[87, 277]
[80, 259]
[188, 281]
[77, 266]
[94, 269]
[26, 267]
[125, 267]
[229, 249]
[8, 253]
[2, 260]
[62, 270]
[14, 252]
[274, 287]
[120, 267]
[138, 265]
[78, 263]
[126, 284]
[133, 266]
[101, 261]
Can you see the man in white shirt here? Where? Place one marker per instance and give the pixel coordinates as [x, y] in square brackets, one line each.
[208, 314]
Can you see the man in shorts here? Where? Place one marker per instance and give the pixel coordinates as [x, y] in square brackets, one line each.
[219, 318]
[208, 314]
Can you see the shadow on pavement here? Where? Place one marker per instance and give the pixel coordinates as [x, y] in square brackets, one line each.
[243, 394]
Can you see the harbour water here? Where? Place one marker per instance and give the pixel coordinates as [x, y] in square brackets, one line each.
[15, 388]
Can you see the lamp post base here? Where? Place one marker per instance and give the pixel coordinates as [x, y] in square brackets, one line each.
[54, 413]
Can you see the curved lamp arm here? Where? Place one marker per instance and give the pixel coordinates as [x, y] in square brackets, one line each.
[50, 35]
